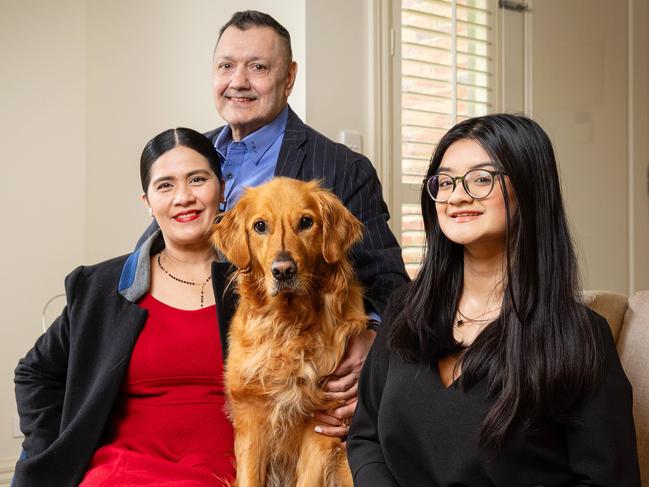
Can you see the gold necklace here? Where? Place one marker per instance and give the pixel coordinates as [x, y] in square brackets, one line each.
[460, 322]
[191, 283]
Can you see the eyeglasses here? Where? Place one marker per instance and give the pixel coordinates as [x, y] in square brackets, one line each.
[478, 183]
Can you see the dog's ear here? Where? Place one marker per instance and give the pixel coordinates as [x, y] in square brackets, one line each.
[340, 228]
[230, 237]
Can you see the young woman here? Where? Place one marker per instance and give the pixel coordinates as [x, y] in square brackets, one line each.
[125, 388]
[488, 371]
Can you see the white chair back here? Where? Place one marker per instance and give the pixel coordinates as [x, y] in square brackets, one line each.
[47, 318]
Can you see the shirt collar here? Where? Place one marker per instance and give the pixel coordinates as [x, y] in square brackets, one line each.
[258, 142]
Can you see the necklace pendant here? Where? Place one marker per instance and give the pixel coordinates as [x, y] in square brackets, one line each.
[186, 282]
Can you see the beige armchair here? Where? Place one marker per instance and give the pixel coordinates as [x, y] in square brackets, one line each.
[629, 321]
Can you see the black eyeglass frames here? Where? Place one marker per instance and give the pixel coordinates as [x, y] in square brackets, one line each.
[478, 183]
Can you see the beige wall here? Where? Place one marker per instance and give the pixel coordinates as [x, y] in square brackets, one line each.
[42, 154]
[580, 82]
[338, 67]
[586, 82]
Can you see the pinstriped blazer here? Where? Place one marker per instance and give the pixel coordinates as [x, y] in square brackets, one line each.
[306, 154]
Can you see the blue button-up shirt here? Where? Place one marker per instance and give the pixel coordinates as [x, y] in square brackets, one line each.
[251, 161]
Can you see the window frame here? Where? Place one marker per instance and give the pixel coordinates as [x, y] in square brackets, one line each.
[386, 101]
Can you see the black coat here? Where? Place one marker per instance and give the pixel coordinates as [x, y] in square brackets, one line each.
[67, 384]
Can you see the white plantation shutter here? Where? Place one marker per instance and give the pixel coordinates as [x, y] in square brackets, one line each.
[447, 75]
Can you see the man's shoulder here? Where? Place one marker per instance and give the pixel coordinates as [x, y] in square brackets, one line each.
[213, 134]
[339, 147]
[316, 143]
[106, 271]
[96, 280]
[309, 139]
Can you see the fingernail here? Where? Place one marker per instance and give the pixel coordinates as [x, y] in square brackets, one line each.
[312, 414]
[318, 429]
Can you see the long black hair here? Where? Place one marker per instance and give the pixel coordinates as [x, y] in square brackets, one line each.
[170, 139]
[541, 355]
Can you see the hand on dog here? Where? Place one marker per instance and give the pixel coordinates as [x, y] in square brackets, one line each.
[335, 422]
[342, 386]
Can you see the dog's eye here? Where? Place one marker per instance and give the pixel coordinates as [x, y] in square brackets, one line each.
[260, 226]
[306, 222]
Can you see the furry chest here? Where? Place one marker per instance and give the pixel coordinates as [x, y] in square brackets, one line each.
[276, 367]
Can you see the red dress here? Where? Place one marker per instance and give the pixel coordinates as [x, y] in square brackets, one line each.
[169, 426]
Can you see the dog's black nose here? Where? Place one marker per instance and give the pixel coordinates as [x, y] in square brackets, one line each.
[283, 268]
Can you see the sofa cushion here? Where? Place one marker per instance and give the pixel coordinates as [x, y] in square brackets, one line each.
[633, 347]
[610, 305]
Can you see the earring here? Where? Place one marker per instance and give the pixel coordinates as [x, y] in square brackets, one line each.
[150, 211]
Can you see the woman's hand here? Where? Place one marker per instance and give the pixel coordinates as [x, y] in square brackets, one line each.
[342, 386]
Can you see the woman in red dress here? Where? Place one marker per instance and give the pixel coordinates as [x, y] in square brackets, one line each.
[126, 387]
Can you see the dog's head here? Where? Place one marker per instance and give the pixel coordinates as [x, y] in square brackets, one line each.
[285, 232]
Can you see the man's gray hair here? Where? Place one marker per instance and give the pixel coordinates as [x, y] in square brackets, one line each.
[252, 18]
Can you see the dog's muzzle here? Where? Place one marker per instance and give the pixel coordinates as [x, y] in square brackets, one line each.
[283, 268]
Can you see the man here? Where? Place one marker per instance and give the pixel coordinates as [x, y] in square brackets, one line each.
[253, 76]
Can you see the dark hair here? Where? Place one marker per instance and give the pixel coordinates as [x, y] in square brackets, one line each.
[252, 18]
[541, 355]
[169, 139]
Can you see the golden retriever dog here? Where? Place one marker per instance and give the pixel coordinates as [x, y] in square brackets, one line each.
[299, 303]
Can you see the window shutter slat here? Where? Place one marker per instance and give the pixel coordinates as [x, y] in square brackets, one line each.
[441, 41]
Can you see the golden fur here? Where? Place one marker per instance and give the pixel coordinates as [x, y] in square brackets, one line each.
[286, 338]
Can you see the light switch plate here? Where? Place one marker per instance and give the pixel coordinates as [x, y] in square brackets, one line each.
[353, 140]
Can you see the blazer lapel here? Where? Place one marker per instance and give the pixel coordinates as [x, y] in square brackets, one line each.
[127, 325]
[292, 154]
[121, 321]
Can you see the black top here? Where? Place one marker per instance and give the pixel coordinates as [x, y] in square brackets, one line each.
[411, 431]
